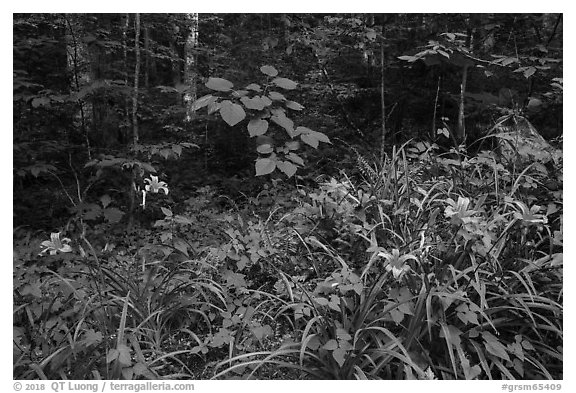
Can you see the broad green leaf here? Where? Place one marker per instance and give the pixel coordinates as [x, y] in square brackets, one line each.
[287, 168]
[274, 95]
[254, 87]
[294, 105]
[167, 212]
[181, 245]
[330, 345]
[177, 149]
[231, 113]
[219, 84]
[92, 211]
[303, 130]
[265, 149]
[529, 72]
[311, 137]
[527, 345]
[112, 355]
[105, 200]
[239, 93]
[265, 166]
[92, 337]
[309, 140]
[234, 279]
[533, 105]
[285, 83]
[269, 70]
[242, 262]
[183, 220]
[494, 346]
[141, 369]
[343, 334]
[255, 103]
[34, 289]
[124, 355]
[213, 107]
[113, 215]
[283, 122]
[313, 343]
[509, 60]
[339, 355]
[445, 54]
[410, 59]
[262, 331]
[203, 101]
[321, 137]
[267, 101]
[371, 34]
[40, 101]
[451, 334]
[292, 145]
[257, 127]
[397, 316]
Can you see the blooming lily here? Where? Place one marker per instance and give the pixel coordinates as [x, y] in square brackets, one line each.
[529, 215]
[459, 211]
[396, 263]
[55, 244]
[154, 185]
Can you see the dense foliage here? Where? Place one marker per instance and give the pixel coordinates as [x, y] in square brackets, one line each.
[288, 196]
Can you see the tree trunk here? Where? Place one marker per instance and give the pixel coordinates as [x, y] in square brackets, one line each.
[125, 26]
[76, 60]
[190, 74]
[382, 101]
[367, 53]
[135, 134]
[175, 60]
[147, 58]
[461, 129]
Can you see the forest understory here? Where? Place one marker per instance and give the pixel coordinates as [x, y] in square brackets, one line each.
[288, 196]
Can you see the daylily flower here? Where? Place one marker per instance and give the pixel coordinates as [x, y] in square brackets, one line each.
[529, 215]
[55, 244]
[396, 263]
[154, 185]
[459, 211]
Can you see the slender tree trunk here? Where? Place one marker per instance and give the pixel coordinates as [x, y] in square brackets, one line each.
[125, 26]
[190, 74]
[76, 54]
[175, 59]
[433, 131]
[135, 133]
[367, 53]
[461, 130]
[382, 101]
[147, 58]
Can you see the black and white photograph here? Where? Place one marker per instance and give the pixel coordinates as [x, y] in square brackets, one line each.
[287, 196]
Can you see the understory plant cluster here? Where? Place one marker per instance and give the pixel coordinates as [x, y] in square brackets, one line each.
[419, 265]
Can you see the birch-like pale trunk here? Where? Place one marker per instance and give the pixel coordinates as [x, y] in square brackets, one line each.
[190, 65]
[135, 135]
[382, 103]
[125, 26]
[461, 129]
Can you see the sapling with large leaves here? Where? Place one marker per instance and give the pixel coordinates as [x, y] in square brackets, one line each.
[264, 106]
